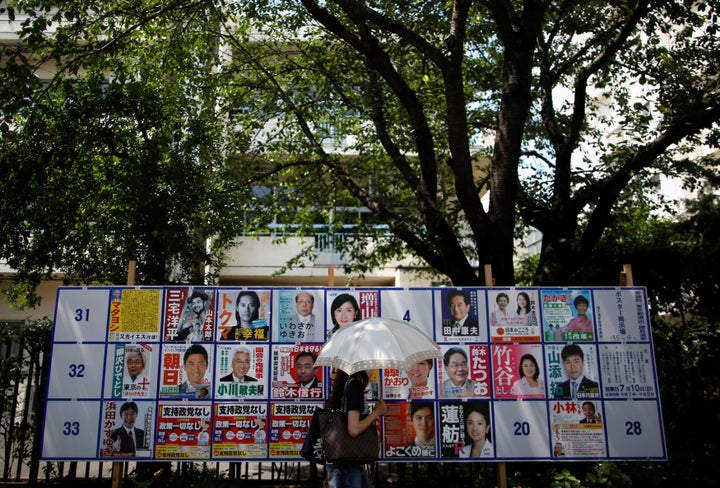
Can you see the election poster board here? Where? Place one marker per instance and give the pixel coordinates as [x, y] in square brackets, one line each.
[227, 373]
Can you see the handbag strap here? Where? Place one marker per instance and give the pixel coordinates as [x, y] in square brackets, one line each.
[343, 408]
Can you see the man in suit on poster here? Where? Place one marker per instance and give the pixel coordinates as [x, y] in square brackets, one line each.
[577, 385]
[459, 305]
[306, 371]
[127, 438]
[304, 319]
[589, 414]
[240, 366]
[422, 416]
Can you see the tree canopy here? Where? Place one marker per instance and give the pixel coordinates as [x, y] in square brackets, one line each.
[454, 123]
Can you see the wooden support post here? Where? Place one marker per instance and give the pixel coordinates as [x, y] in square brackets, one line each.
[501, 468]
[117, 467]
[331, 275]
[626, 277]
[131, 272]
[489, 280]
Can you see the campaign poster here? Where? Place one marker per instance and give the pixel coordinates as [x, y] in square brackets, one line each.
[183, 431]
[465, 371]
[289, 424]
[300, 316]
[627, 371]
[243, 315]
[621, 315]
[294, 374]
[416, 383]
[577, 429]
[134, 315]
[189, 314]
[518, 371]
[241, 370]
[572, 371]
[567, 315]
[514, 315]
[186, 370]
[410, 430]
[395, 384]
[131, 370]
[348, 306]
[127, 429]
[465, 430]
[460, 315]
[240, 430]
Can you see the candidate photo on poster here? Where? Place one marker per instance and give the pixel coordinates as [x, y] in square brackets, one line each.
[421, 380]
[478, 442]
[196, 371]
[518, 371]
[465, 430]
[193, 325]
[189, 314]
[422, 417]
[410, 430]
[576, 380]
[127, 438]
[530, 383]
[306, 371]
[347, 307]
[241, 370]
[298, 317]
[567, 315]
[577, 426]
[460, 314]
[139, 362]
[513, 315]
[294, 374]
[241, 360]
[186, 371]
[590, 415]
[582, 322]
[455, 377]
[128, 429]
[244, 315]
[344, 310]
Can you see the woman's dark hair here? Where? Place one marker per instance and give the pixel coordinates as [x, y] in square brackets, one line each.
[483, 409]
[338, 387]
[527, 301]
[337, 303]
[256, 300]
[581, 299]
[450, 352]
[534, 361]
[500, 295]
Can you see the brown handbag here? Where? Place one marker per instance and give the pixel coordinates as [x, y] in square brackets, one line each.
[339, 446]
